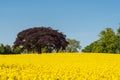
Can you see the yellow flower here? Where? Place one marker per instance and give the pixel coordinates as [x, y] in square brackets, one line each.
[60, 67]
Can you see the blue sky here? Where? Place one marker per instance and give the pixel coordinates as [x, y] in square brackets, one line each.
[78, 19]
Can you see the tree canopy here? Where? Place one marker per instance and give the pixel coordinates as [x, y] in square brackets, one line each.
[118, 40]
[107, 43]
[73, 46]
[8, 49]
[34, 39]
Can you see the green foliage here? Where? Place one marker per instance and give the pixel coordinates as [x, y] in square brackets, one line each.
[105, 44]
[108, 41]
[2, 49]
[17, 50]
[7, 49]
[118, 40]
[73, 46]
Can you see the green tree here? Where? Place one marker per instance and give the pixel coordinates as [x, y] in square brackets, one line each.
[17, 50]
[108, 40]
[93, 47]
[118, 40]
[73, 46]
[88, 48]
[2, 49]
[105, 44]
[8, 49]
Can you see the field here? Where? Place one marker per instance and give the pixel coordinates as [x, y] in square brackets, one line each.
[59, 66]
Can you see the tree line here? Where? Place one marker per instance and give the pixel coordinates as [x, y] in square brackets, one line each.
[108, 42]
[41, 40]
[48, 40]
[7, 49]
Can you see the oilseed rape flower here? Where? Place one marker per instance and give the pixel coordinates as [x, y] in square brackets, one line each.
[59, 66]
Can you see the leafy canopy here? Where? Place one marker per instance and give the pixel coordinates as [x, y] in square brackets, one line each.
[34, 39]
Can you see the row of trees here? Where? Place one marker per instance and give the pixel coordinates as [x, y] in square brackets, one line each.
[47, 40]
[7, 49]
[73, 46]
[108, 42]
[41, 39]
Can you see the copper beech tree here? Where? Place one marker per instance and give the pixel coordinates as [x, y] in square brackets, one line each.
[37, 38]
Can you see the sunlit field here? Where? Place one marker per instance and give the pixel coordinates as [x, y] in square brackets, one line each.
[59, 66]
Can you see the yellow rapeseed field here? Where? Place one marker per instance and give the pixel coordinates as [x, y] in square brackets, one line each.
[59, 66]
